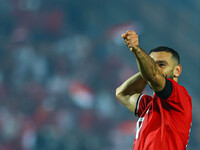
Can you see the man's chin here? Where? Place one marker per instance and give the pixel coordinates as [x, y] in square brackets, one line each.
[170, 77]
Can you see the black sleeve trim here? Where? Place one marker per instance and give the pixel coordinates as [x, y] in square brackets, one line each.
[136, 108]
[167, 91]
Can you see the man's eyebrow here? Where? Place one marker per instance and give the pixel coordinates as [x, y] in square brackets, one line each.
[161, 61]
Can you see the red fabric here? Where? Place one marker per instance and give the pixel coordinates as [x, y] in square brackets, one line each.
[164, 124]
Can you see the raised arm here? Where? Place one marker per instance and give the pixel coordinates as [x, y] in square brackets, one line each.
[147, 66]
[130, 90]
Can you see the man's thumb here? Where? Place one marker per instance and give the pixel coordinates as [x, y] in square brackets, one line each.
[123, 35]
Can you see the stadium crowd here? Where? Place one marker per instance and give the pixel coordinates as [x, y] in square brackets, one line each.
[59, 67]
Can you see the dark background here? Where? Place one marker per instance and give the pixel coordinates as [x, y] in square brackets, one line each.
[61, 61]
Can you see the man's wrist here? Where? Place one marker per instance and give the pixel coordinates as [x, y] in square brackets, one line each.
[135, 49]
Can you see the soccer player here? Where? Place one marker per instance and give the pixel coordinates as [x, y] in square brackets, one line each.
[164, 120]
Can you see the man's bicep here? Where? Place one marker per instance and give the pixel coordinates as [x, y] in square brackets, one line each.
[164, 89]
[158, 83]
[132, 102]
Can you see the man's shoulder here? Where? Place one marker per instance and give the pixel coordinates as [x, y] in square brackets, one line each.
[179, 87]
[174, 83]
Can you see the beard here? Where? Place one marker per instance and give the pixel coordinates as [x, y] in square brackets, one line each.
[170, 76]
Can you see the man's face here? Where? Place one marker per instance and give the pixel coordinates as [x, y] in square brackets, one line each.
[165, 63]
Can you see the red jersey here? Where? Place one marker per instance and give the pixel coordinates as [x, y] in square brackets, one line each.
[164, 124]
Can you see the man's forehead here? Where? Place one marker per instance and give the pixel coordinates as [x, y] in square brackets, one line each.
[161, 56]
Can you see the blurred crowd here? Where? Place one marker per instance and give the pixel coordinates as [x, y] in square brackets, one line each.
[60, 63]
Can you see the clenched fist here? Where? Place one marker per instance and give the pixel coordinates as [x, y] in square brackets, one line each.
[131, 40]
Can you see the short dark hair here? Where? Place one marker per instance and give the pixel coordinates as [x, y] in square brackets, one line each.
[167, 49]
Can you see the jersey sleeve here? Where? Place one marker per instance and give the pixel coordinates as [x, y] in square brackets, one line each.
[142, 104]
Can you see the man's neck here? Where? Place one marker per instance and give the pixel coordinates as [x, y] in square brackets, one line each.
[175, 79]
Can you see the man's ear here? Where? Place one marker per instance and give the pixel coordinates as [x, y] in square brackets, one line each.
[177, 71]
